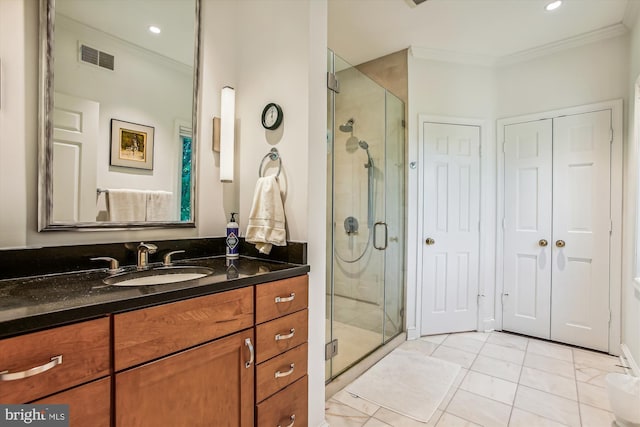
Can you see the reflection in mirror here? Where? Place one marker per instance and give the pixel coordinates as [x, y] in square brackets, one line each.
[118, 113]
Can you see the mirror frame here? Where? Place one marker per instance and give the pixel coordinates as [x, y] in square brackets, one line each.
[45, 145]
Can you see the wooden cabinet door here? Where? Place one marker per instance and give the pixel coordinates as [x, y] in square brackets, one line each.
[204, 386]
[89, 404]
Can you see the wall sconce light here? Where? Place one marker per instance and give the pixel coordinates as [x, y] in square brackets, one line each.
[227, 133]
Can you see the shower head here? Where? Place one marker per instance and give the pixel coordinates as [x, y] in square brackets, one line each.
[365, 146]
[348, 126]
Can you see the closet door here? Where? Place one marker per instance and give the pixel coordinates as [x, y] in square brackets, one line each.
[581, 229]
[527, 228]
[451, 218]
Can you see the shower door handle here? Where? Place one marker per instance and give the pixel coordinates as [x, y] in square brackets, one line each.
[375, 235]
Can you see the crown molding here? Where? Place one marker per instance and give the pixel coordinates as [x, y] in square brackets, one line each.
[450, 56]
[523, 55]
[604, 33]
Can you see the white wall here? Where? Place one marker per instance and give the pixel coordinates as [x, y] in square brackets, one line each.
[461, 91]
[18, 89]
[630, 267]
[273, 66]
[584, 75]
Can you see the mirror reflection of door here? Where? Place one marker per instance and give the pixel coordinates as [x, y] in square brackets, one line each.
[75, 131]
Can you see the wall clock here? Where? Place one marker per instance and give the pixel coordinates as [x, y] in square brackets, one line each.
[272, 116]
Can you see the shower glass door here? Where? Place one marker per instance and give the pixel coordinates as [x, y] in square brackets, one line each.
[366, 209]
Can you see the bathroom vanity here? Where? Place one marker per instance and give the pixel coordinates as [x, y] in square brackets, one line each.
[225, 349]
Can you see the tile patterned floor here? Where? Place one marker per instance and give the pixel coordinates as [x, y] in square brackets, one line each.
[506, 380]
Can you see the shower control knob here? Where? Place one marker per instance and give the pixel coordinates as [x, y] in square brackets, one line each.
[430, 241]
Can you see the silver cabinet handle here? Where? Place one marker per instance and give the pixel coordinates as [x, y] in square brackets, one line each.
[55, 361]
[293, 420]
[280, 337]
[291, 297]
[386, 235]
[279, 374]
[247, 342]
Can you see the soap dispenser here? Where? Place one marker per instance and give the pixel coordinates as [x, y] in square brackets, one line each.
[233, 242]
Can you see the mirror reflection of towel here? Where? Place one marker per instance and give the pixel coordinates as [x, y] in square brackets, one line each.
[159, 206]
[127, 205]
[266, 225]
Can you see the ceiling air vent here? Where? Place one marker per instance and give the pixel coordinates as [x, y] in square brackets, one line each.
[96, 57]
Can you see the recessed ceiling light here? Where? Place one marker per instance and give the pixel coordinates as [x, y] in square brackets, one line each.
[553, 5]
[154, 29]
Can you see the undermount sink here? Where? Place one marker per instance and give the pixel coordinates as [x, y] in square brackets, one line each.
[158, 276]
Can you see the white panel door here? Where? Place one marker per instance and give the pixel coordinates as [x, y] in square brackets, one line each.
[527, 228]
[581, 229]
[75, 139]
[451, 215]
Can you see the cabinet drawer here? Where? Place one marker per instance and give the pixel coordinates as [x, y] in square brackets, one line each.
[87, 402]
[84, 348]
[288, 407]
[280, 371]
[280, 335]
[150, 333]
[276, 299]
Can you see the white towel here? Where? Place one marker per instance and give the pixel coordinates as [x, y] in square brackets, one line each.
[159, 206]
[127, 205]
[266, 220]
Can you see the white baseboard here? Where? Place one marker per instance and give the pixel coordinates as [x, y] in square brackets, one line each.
[629, 360]
[412, 334]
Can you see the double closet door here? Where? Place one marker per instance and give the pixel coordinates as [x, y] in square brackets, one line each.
[557, 224]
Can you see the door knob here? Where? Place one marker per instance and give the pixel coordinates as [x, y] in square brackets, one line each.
[560, 243]
[543, 243]
[430, 241]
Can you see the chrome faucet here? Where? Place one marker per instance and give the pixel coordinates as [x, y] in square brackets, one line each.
[144, 249]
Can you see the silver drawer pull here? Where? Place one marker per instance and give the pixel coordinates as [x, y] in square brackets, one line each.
[287, 336]
[285, 374]
[6, 376]
[293, 420]
[286, 299]
[247, 342]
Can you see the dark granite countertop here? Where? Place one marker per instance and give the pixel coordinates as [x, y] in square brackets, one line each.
[29, 304]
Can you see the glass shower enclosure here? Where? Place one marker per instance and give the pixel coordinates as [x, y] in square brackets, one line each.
[366, 216]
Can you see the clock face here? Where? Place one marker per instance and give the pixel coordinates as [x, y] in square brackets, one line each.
[271, 116]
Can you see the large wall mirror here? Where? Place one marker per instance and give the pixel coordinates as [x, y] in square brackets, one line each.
[118, 98]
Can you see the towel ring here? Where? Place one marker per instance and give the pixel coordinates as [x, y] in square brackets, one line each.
[272, 155]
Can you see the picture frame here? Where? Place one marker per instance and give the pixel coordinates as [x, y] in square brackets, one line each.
[131, 145]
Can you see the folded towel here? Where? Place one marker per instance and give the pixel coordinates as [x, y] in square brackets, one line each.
[159, 206]
[266, 225]
[127, 205]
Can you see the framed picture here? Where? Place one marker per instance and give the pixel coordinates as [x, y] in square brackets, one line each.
[131, 145]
